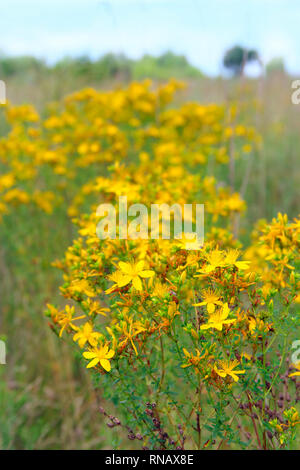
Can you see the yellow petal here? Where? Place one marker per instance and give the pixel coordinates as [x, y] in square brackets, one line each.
[124, 281]
[76, 336]
[139, 265]
[242, 264]
[110, 354]
[146, 273]
[210, 308]
[82, 342]
[220, 373]
[234, 376]
[105, 364]
[93, 363]
[186, 353]
[89, 354]
[125, 267]
[294, 374]
[137, 283]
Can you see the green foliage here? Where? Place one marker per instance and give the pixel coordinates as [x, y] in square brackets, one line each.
[163, 67]
[109, 66]
[21, 66]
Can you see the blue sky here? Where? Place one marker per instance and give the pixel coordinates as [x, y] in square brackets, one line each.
[200, 29]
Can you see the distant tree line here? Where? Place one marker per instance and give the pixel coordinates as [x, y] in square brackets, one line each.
[118, 66]
[107, 67]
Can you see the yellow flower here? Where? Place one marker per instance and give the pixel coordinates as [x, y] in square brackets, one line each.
[292, 416]
[81, 286]
[210, 299]
[193, 360]
[218, 319]
[160, 290]
[189, 241]
[54, 313]
[215, 260]
[130, 330]
[172, 310]
[117, 278]
[99, 355]
[132, 272]
[255, 324]
[94, 308]
[6, 181]
[231, 258]
[86, 334]
[66, 319]
[227, 368]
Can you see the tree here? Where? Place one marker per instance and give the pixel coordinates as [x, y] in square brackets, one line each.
[237, 57]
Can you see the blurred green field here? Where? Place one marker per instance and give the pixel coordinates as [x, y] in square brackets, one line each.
[47, 401]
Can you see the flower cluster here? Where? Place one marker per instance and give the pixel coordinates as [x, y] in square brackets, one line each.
[203, 332]
[188, 343]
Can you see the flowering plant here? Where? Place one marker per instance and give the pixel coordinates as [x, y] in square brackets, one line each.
[189, 346]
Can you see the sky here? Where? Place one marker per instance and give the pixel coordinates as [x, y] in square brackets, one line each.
[200, 29]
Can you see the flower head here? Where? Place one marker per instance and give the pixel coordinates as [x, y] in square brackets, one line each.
[210, 299]
[133, 272]
[99, 355]
[227, 368]
[66, 319]
[219, 318]
[86, 335]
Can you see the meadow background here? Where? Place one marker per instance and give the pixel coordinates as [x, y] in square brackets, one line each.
[46, 399]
